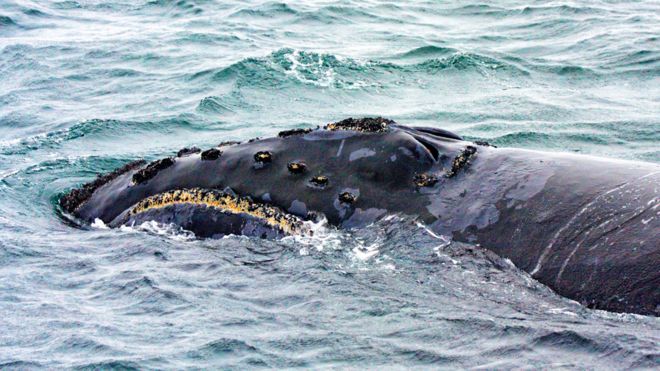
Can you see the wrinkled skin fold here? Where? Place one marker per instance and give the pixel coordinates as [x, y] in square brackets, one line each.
[587, 227]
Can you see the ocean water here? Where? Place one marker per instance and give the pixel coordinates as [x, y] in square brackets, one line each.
[88, 85]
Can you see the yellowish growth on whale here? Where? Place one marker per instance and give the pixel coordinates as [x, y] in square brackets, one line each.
[224, 202]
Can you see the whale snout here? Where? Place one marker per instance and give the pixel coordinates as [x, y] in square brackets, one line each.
[321, 170]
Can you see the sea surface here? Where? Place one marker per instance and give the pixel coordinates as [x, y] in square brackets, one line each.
[88, 85]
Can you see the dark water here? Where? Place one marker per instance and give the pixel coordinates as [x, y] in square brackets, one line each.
[88, 85]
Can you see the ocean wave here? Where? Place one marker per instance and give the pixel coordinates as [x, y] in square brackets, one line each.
[110, 365]
[427, 51]
[67, 4]
[175, 8]
[268, 10]
[469, 61]
[6, 21]
[223, 346]
[569, 70]
[22, 15]
[541, 10]
[330, 71]
[436, 57]
[563, 140]
[599, 142]
[345, 14]
[186, 37]
[645, 61]
[77, 343]
[20, 365]
[34, 12]
[94, 128]
[288, 65]
[214, 104]
[479, 9]
[562, 9]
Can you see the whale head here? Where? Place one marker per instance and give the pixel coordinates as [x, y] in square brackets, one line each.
[352, 172]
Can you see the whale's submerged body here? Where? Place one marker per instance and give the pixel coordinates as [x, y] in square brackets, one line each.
[589, 228]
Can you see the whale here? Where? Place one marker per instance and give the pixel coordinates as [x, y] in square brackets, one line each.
[587, 227]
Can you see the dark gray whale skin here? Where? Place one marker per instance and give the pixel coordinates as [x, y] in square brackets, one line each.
[587, 227]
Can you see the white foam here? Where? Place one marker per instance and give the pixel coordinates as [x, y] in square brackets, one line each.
[320, 238]
[171, 231]
[99, 224]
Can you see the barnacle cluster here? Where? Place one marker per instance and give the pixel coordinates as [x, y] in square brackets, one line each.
[151, 170]
[211, 154]
[225, 202]
[288, 133]
[263, 156]
[296, 167]
[319, 181]
[364, 125]
[76, 197]
[425, 180]
[461, 160]
[188, 151]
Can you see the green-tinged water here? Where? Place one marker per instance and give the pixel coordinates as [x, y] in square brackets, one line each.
[88, 85]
